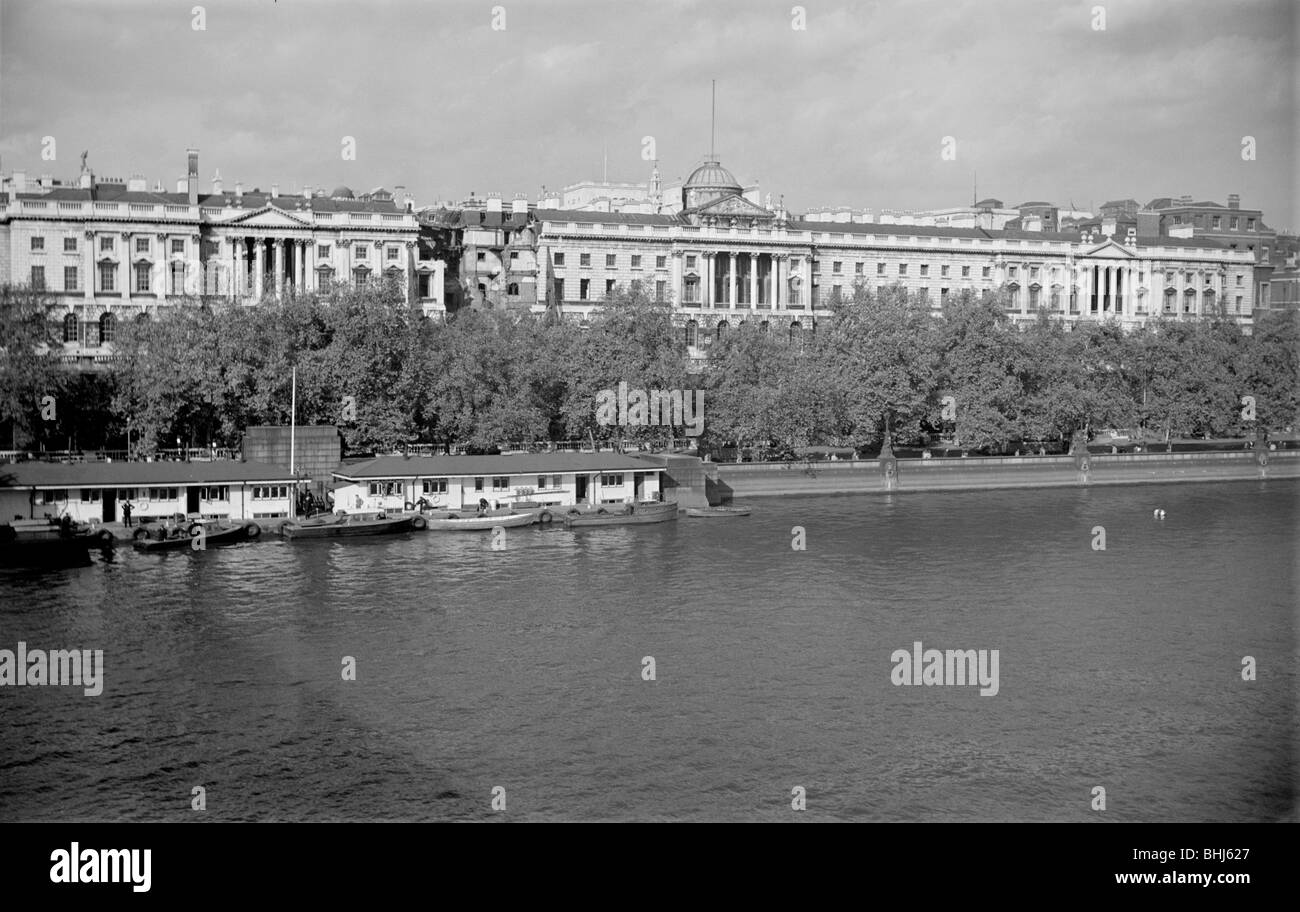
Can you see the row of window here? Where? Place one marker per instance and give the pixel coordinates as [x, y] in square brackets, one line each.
[207, 492]
[1215, 221]
[107, 244]
[439, 485]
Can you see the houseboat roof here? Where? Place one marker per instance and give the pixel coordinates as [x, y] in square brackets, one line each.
[513, 464]
[136, 474]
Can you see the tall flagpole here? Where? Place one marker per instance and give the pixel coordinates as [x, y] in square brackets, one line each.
[293, 433]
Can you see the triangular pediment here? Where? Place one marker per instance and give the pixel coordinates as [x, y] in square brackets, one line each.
[734, 206]
[1109, 248]
[269, 217]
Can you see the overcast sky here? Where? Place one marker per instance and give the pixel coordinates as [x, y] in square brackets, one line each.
[851, 111]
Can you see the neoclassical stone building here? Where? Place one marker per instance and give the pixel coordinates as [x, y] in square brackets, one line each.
[724, 260]
[108, 250]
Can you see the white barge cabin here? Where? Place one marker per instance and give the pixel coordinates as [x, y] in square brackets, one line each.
[96, 492]
[462, 482]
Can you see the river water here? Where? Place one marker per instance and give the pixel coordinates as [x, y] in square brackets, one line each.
[522, 668]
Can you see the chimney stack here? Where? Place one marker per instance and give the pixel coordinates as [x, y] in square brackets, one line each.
[192, 177]
[239, 191]
[1234, 201]
[494, 202]
[20, 181]
[275, 191]
[519, 205]
[306, 192]
[216, 183]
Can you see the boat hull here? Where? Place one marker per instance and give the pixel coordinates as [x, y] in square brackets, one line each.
[228, 536]
[346, 529]
[479, 523]
[716, 512]
[635, 515]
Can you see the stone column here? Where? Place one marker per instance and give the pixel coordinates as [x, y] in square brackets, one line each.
[309, 264]
[733, 260]
[753, 281]
[126, 266]
[88, 261]
[259, 267]
[706, 296]
[779, 278]
[238, 280]
[677, 296]
[299, 260]
[406, 272]
[279, 266]
[161, 268]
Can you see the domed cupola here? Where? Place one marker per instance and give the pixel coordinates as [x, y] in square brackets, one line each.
[708, 182]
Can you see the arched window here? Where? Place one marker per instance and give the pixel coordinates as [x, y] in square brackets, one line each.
[795, 328]
[107, 327]
[763, 327]
[70, 328]
[723, 326]
[513, 289]
[142, 317]
[691, 333]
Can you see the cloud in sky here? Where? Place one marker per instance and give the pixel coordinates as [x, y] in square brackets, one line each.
[851, 111]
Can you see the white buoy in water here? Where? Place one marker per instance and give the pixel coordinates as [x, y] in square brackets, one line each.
[1162, 514]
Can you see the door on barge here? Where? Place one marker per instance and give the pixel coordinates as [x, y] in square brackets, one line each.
[638, 486]
[580, 488]
[110, 505]
[192, 499]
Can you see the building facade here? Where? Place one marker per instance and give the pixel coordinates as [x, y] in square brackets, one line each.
[724, 260]
[108, 250]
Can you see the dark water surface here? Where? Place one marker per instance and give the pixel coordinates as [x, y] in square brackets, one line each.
[522, 668]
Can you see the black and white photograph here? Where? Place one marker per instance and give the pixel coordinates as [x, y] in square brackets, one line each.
[679, 411]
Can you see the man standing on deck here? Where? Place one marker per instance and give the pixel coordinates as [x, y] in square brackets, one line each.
[126, 514]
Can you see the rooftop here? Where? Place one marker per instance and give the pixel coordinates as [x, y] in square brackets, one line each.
[132, 474]
[514, 464]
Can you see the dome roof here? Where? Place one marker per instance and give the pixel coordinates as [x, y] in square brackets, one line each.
[712, 176]
[341, 192]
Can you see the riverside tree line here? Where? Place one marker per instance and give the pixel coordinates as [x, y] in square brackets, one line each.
[202, 371]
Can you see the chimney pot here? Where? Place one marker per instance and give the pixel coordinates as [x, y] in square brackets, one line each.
[275, 191]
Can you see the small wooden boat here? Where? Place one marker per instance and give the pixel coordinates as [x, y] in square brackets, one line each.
[347, 526]
[454, 522]
[716, 512]
[622, 515]
[213, 535]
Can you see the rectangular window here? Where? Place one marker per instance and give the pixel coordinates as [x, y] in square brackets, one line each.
[49, 497]
[1011, 271]
[610, 260]
[902, 269]
[661, 290]
[392, 253]
[559, 259]
[584, 259]
[965, 272]
[38, 278]
[1250, 224]
[177, 276]
[142, 278]
[636, 262]
[142, 245]
[501, 483]
[614, 480]
[363, 252]
[322, 251]
[106, 245]
[70, 282]
[1234, 223]
[925, 269]
[661, 262]
[1218, 221]
[70, 245]
[609, 287]
[478, 484]
[178, 246]
[837, 267]
[434, 486]
[1241, 280]
[482, 256]
[584, 290]
[943, 271]
[1238, 304]
[107, 277]
[858, 267]
[690, 262]
[987, 271]
[541, 482]
[38, 244]
[880, 269]
[90, 495]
